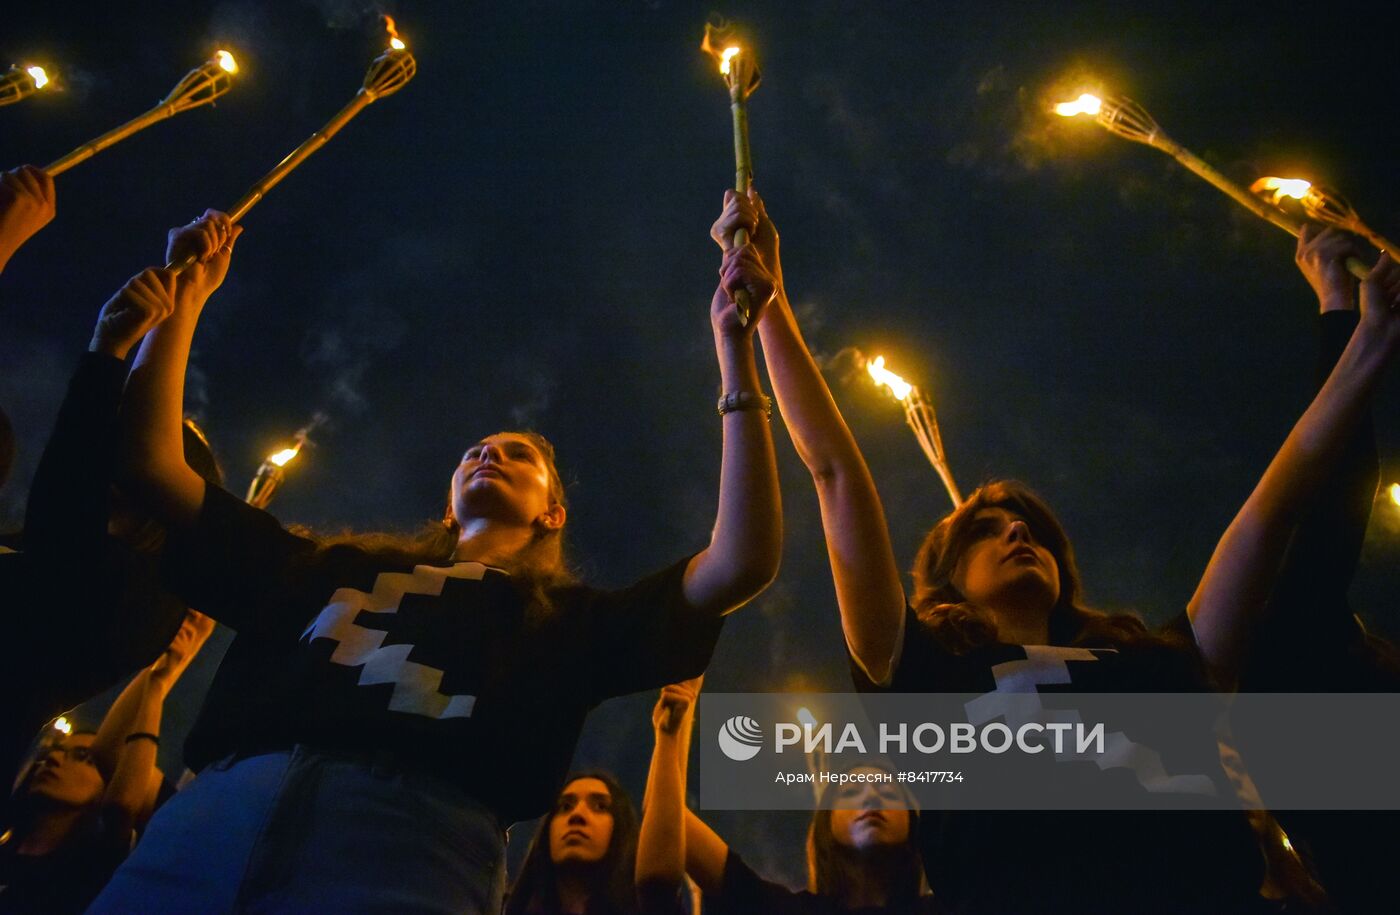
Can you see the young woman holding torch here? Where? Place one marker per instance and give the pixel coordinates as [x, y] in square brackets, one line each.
[996, 584]
[391, 704]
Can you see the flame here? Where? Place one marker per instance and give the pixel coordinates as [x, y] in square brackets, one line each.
[898, 386]
[282, 457]
[805, 716]
[41, 79]
[63, 725]
[1296, 188]
[226, 61]
[1085, 104]
[1395, 493]
[395, 41]
[724, 59]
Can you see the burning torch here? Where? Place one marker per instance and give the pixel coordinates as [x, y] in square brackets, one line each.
[270, 475]
[740, 71]
[200, 86]
[387, 74]
[1129, 120]
[1326, 206]
[918, 412]
[21, 82]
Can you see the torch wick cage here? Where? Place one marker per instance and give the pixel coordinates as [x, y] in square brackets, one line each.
[1130, 120]
[16, 84]
[389, 72]
[200, 86]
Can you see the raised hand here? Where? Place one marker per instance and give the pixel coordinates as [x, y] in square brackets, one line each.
[26, 206]
[193, 633]
[748, 213]
[742, 268]
[210, 239]
[676, 703]
[1380, 305]
[147, 299]
[1321, 257]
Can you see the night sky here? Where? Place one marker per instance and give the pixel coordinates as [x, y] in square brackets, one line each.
[519, 238]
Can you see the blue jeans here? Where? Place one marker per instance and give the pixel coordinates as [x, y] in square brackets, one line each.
[307, 831]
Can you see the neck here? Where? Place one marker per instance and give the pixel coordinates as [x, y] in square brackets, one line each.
[49, 830]
[875, 873]
[574, 889]
[491, 542]
[1019, 624]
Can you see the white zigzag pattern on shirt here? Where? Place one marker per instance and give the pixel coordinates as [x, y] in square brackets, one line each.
[416, 686]
[1017, 699]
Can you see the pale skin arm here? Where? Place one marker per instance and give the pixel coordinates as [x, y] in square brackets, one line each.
[1241, 572]
[153, 405]
[746, 542]
[132, 788]
[868, 588]
[673, 841]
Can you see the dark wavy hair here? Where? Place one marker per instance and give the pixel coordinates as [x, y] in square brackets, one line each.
[835, 871]
[542, 565]
[535, 891]
[962, 626]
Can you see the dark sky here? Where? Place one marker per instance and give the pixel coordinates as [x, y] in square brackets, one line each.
[519, 238]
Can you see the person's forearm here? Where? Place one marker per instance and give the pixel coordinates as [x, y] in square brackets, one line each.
[1244, 566]
[868, 587]
[152, 414]
[120, 720]
[66, 515]
[128, 799]
[746, 543]
[661, 840]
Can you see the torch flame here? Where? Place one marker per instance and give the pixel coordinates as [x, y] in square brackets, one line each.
[724, 59]
[898, 386]
[63, 725]
[1296, 188]
[41, 79]
[1395, 493]
[395, 41]
[226, 61]
[282, 457]
[1085, 104]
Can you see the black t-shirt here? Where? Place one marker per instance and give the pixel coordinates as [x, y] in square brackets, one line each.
[1076, 861]
[81, 609]
[744, 892]
[445, 668]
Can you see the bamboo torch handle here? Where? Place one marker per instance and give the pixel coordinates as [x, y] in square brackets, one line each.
[1203, 169]
[743, 177]
[115, 135]
[286, 166]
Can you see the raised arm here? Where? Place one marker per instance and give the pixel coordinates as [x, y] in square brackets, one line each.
[747, 539]
[129, 737]
[1246, 561]
[67, 511]
[154, 464]
[26, 206]
[673, 841]
[868, 588]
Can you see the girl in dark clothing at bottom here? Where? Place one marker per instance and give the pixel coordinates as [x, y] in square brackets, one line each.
[862, 842]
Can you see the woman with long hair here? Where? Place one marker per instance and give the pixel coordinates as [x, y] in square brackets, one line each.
[862, 841]
[997, 607]
[582, 857]
[389, 706]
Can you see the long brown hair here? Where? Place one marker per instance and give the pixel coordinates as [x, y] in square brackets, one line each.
[962, 626]
[541, 565]
[836, 872]
[535, 891]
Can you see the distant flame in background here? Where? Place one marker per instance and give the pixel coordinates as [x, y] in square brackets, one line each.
[226, 61]
[282, 457]
[1296, 188]
[41, 79]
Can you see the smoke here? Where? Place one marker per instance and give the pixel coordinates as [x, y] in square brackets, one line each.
[340, 350]
[346, 14]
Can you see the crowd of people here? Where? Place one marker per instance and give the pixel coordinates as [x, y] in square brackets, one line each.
[392, 703]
